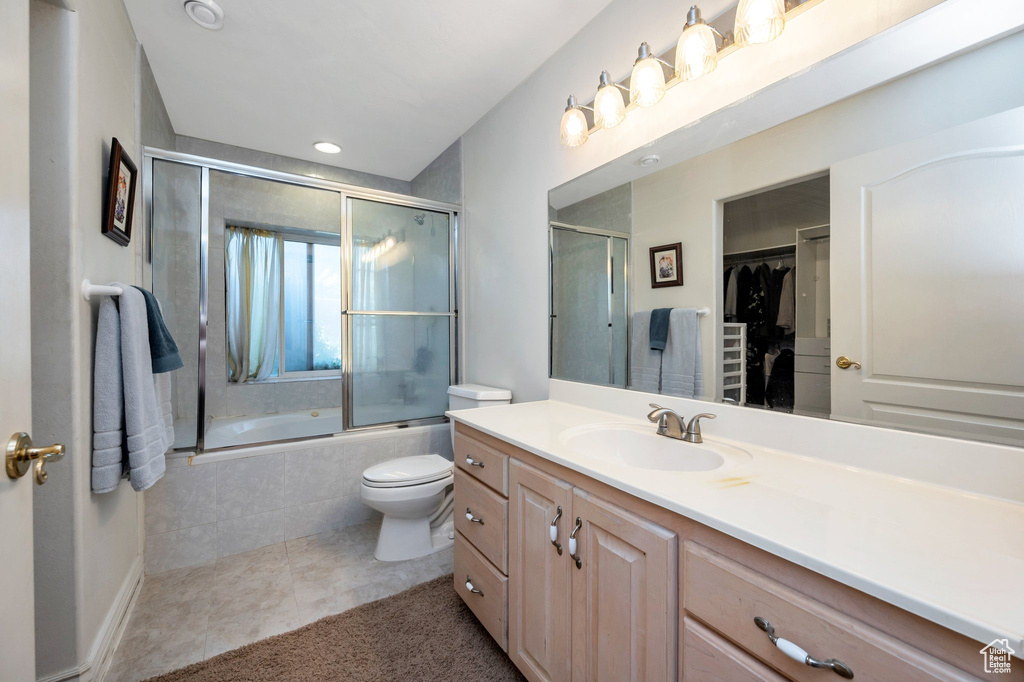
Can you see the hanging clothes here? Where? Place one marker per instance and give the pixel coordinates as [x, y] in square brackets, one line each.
[743, 279]
[778, 275]
[786, 319]
[731, 276]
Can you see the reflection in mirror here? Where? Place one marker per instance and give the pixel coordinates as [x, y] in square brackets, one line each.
[775, 314]
[862, 262]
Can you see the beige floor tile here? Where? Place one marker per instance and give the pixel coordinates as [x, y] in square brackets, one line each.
[331, 603]
[158, 627]
[266, 562]
[164, 660]
[180, 584]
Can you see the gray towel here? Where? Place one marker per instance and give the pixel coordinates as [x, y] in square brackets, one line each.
[108, 401]
[659, 328]
[682, 373]
[644, 363]
[145, 435]
[162, 349]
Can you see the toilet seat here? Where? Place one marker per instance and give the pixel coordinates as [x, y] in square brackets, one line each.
[408, 471]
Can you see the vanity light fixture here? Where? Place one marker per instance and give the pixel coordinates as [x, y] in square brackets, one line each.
[697, 49]
[609, 107]
[647, 83]
[696, 55]
[574, 130]
[759, 21]
[327, 147]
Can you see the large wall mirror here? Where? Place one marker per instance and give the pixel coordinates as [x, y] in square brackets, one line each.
[863, 262]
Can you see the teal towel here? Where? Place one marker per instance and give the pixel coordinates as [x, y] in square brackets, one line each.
[162, 349]
[659, 328]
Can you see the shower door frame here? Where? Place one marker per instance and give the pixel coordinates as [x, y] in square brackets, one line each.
[346, 192]
[568, 227]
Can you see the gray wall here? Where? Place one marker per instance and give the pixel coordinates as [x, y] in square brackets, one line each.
[441, 180]
[286, 164]
[84, 71]
[610, 210]
[156, 129]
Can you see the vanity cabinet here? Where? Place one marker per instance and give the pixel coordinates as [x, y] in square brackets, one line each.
[657, 596]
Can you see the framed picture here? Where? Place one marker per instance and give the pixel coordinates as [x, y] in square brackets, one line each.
[117, 221]
[667, 265]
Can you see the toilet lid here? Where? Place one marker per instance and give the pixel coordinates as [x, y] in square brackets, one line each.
[407, 471]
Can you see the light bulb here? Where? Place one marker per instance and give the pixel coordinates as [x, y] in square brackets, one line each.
[647, 83]
[609, 109]
[759, 21]
[574, 129]
[697, 50]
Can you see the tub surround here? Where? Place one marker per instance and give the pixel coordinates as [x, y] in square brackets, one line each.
[237, 500]
[932, 525]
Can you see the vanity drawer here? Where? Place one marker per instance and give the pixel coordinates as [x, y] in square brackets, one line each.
[482, 462]
[490, 533]
[707, 657]
[728, 596]
[813, 364]
[490, 604]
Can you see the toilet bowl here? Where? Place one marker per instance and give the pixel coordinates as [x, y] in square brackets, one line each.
[415, 493]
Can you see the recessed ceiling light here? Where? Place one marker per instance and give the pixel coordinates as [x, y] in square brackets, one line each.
[327, 147]
[206, 13]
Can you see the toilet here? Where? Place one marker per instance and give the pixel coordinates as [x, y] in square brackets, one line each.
[415, 493]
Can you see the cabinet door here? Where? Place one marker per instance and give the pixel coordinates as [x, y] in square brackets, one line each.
[624, 596]
[539, 588]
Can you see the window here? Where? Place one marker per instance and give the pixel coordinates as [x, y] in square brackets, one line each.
[311, 308]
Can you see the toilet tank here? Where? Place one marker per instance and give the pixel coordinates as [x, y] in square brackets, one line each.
[466, 396]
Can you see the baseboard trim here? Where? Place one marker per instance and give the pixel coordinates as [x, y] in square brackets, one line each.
[95, 667]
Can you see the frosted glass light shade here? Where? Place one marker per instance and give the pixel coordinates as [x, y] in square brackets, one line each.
[574, 130]
[647, 84]
[609, 109]
[696, 52]
[759, 21]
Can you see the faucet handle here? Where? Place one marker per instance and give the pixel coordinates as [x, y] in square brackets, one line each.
[651, 416]
[693, 428]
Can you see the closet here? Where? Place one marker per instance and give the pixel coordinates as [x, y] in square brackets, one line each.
[776, 296]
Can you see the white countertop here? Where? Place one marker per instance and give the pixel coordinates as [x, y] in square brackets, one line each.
[953, 557]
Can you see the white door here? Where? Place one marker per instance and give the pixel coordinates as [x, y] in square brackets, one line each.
[928, 275]
[17, 628]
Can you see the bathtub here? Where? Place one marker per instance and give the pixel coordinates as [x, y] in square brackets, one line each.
[226, 432]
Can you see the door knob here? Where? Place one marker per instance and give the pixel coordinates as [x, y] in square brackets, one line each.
[20, 455]
[843, 362]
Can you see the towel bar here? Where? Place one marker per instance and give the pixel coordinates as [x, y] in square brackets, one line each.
[89, 290]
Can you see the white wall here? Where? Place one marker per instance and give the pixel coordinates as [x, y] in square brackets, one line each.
[512, 156]
[684, 202]
[94, 83]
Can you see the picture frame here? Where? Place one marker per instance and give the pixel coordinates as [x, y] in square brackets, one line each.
[667, 265]
[122, 178]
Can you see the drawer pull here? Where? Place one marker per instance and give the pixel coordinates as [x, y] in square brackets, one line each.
[473, 463]
[469, 586]
[554, 531]
[572, 543]
[799, 655]
[473, 519]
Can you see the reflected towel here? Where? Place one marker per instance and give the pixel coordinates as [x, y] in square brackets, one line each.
[682, 372]
[644, 363]
[659, 328]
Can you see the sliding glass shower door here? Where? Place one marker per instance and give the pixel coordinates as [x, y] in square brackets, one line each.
[589, 302]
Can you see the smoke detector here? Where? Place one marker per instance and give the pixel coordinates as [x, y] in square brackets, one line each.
[649, 160]
[206, 13]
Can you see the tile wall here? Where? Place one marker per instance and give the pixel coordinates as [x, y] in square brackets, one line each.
[209, 510]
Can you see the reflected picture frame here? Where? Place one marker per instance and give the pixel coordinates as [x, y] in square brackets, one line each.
[667, 265]
[119, 209]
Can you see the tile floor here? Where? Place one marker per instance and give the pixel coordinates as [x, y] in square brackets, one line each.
[189, 614]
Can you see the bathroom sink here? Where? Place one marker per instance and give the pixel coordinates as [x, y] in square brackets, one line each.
[639, 447]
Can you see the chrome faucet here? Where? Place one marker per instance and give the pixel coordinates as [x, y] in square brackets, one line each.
[670, 424]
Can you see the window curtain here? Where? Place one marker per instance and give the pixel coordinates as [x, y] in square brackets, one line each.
[365, 354]
[252, 272]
